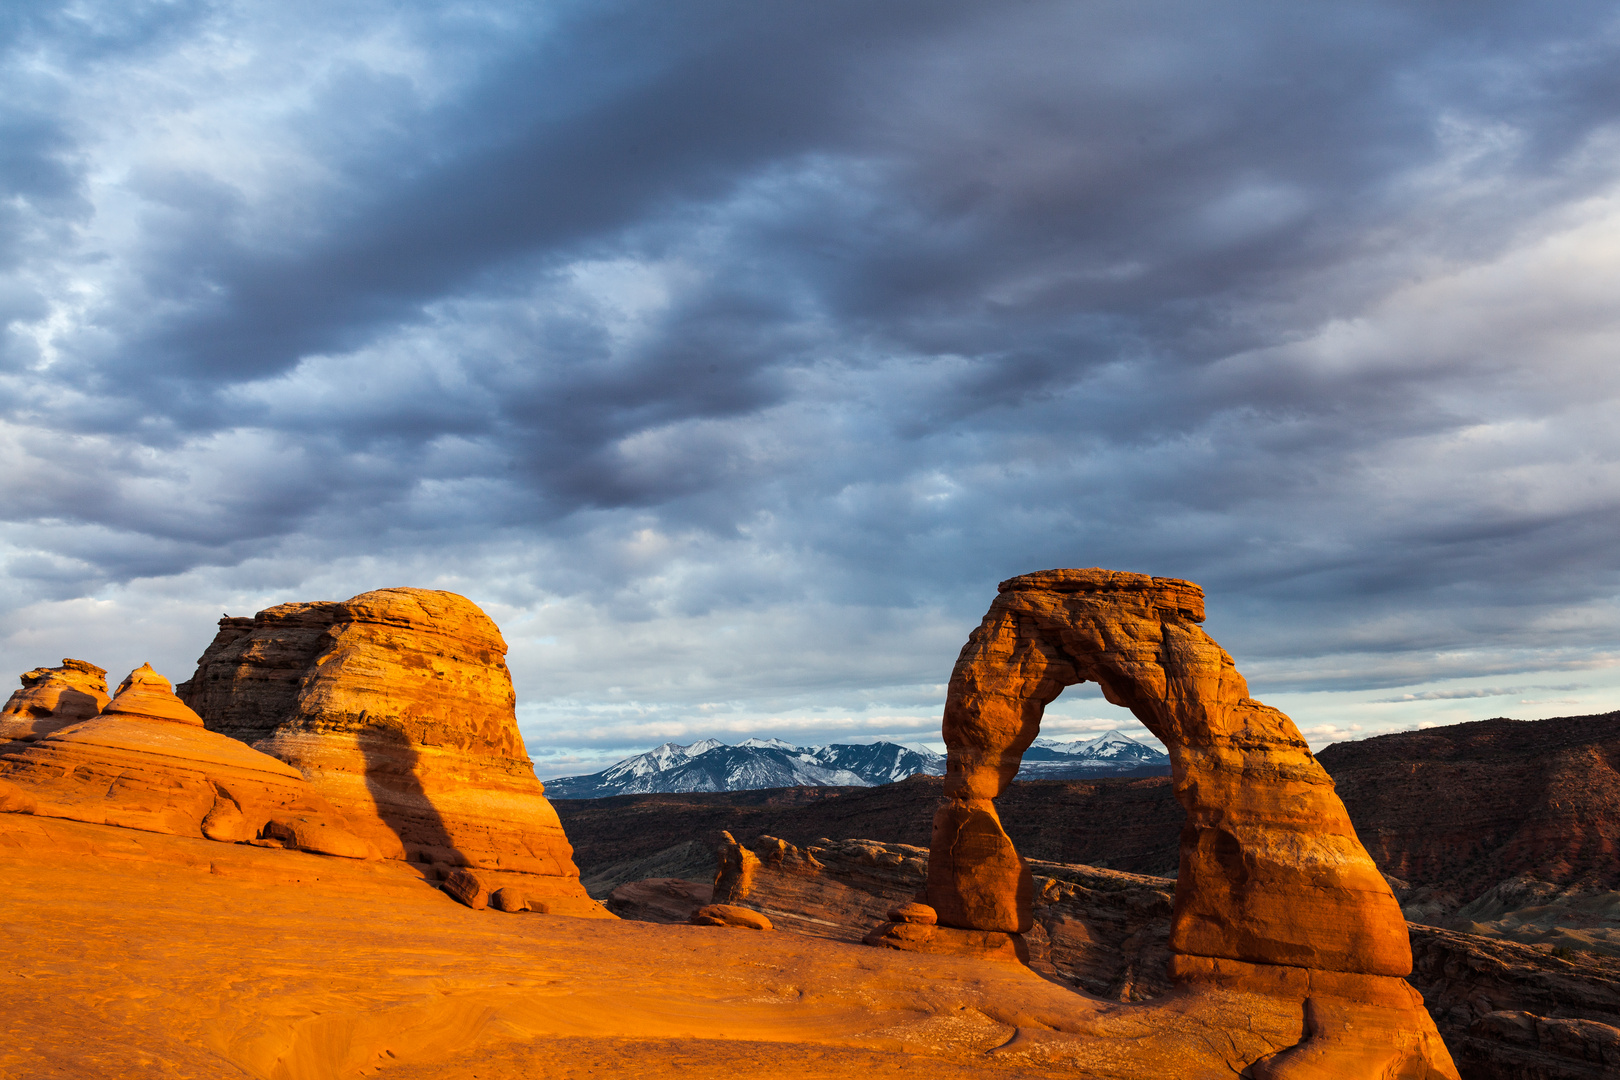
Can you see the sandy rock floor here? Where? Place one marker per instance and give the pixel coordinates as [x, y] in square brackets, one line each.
[138, 954]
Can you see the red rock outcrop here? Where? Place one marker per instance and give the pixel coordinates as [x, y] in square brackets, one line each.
[1275, 894]
[1463, 808]
[51, 699]
[146, 762]
[398, 708]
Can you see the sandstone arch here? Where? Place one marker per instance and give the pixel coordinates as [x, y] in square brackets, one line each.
[1271, 869]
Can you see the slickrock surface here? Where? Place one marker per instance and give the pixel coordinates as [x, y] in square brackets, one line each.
[398, 707]
[51, 699]
[146, 762]
[172, 956]
[1274, 894]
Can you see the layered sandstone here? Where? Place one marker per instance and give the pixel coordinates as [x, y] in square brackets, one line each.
[51, 699]
[1275, 894]
[146, 762]
[398, 707]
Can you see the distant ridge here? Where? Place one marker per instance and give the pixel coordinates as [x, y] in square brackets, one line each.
[711, 765]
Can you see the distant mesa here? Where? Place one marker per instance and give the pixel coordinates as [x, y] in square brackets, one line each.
[51, 699]
[146, 762]
[398, 707]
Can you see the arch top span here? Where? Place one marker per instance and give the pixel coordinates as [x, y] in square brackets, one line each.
[1271, 870]
[1174, 595]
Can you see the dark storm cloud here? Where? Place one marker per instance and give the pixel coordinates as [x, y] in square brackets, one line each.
[714, 308]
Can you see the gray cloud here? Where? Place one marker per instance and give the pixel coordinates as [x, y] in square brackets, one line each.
[817, 323]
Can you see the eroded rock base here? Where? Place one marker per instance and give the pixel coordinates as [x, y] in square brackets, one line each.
[1353, 1025]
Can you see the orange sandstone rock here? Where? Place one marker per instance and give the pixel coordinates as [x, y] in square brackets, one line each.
[146, 762]
[920, 914]
[51, 699]
[1275, 892]
[398, 707]
[730, 915]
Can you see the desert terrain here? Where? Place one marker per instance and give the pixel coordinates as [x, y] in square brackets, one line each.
[324, 856]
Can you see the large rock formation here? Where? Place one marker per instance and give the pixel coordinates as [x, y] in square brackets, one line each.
[1275, 894]
[51, 699]
[398, 707]
[146, 762]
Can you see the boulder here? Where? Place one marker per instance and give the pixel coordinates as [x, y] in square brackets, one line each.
[51, 699]
[398, 707]
[146, 762]
[919, 914]
[464, 886]
[14, 800]
[730, 915]
[510, 898]
[1275, 893]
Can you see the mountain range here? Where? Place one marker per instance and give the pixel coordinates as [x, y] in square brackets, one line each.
[711, 765]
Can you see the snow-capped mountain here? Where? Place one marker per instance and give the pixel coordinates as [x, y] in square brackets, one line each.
[711, 765]
[1110, 753]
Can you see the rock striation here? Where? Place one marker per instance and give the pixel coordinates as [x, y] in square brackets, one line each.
[146, 762]
[51, 699]
[398, 707]
[1275, 894]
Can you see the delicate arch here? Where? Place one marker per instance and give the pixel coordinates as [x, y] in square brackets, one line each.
[1271, 870]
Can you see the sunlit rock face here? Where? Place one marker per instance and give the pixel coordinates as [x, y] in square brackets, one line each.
[50, 699]
[146, 762]
[1275, 894]
[398, 707]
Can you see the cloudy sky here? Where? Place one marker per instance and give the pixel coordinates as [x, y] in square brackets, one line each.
[728, 354]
